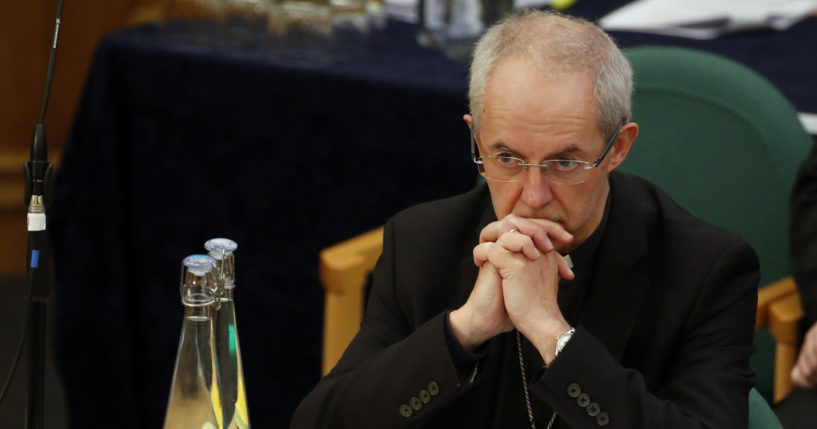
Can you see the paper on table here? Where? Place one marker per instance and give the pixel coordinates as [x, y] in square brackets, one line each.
[706, 19]
[402, 10]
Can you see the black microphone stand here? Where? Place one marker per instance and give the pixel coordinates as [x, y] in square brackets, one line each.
[38, 172]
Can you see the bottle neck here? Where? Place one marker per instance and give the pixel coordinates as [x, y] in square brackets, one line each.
[227, 294]
[197, 311]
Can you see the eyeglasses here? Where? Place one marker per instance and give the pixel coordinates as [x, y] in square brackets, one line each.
[507, 168]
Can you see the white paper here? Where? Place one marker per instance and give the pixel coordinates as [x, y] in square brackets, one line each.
[706, 19]
[402, 10]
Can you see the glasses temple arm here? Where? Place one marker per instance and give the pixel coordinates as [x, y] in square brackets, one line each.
[608, 146]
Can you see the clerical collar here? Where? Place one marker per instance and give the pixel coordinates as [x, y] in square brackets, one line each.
[582, 256]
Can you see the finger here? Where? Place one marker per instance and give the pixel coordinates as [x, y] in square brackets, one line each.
[533, 227]
[565, 271]
[539, 233]
[808, 360]
[808, 356]
[503, 259]
[519, 243]
[494, 230]
[542, 231]
[804, 373]
[800, 379]
[481, 253]
[797, 378]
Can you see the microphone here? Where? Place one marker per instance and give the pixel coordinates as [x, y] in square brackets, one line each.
[38, 173]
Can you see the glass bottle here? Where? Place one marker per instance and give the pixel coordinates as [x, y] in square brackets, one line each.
[194, 401]
[228, 352]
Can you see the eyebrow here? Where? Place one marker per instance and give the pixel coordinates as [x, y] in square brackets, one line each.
[500, 145]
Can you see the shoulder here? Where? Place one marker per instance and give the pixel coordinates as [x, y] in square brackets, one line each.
[455, 217]
[650, 206]
[678, 244]
[675, 240]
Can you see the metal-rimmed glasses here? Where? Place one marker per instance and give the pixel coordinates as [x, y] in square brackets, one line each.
[507, 168]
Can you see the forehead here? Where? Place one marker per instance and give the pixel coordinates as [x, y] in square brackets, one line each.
[523, 105]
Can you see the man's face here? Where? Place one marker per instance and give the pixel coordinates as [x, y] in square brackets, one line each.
[536, 118]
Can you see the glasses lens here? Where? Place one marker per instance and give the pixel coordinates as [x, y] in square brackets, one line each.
[510, 169]
[568, 171]
[501, 168]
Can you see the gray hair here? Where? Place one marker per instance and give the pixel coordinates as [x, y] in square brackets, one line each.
[559, 45]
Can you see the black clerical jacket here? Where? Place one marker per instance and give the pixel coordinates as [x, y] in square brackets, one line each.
[663, 342]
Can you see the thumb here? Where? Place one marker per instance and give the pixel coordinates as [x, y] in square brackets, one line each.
[797, 377]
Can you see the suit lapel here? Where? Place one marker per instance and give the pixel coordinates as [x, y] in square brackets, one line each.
[620, 281]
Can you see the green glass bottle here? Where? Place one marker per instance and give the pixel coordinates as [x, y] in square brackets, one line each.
[228, 352]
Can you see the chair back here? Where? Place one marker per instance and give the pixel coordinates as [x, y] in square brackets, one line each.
[761, 415]
[722, 141]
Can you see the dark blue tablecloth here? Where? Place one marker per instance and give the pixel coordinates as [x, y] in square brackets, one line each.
[174, 144]
[284, 146]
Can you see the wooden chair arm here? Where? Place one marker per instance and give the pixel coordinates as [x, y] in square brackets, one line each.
[344, 269]
[766, 295]
[784, 323]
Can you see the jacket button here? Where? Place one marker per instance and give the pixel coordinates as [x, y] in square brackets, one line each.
[406, 411]
[425, 396]
[583, 400]
[573, 390]
[433, 388]
[593, 409]
[415, 403]
[602, 419]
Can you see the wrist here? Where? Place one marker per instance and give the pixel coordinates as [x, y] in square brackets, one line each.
[547, 341]
[461, 322]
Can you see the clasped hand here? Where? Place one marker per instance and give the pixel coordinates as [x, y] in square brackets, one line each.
[517, 284]
[804, 373]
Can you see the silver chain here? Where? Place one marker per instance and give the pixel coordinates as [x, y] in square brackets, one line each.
[525, 386]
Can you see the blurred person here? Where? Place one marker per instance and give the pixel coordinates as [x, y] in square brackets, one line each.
[799, 409]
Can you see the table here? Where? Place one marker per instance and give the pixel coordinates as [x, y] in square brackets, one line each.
[176, 142]
[285, 150]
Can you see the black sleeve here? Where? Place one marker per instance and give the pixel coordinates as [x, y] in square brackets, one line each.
[709, 380]
[388, 367]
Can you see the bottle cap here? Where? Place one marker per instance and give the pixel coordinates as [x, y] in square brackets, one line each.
[221, 249]
[197, 286]
[220, 246]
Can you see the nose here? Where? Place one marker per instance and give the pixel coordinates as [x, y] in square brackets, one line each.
[536, 191]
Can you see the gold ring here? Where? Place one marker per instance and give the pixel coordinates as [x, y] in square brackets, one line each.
[513, 230]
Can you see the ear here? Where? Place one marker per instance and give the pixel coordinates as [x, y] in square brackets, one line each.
[620, 149]
[467, 118]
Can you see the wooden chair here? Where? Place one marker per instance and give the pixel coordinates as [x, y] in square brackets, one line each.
[344, 269]
[784, 320]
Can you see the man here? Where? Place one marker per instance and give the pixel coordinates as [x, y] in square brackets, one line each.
[477, 320]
